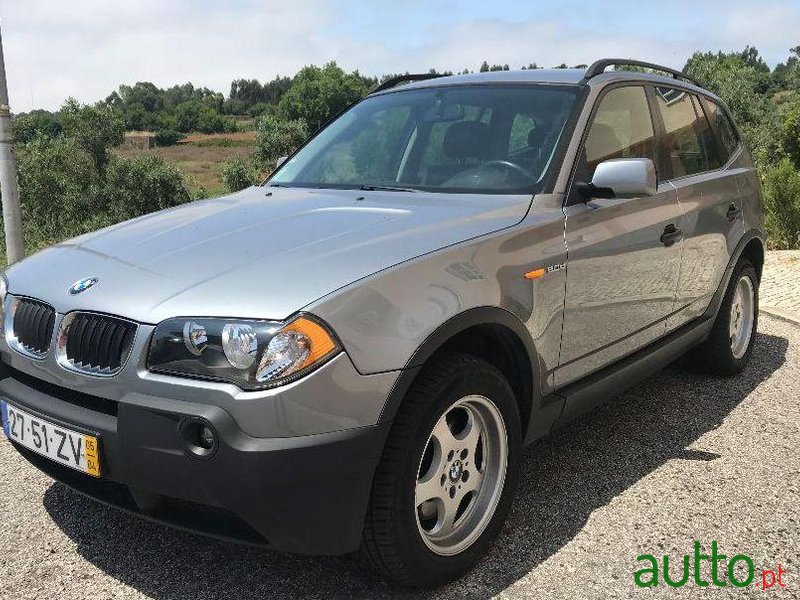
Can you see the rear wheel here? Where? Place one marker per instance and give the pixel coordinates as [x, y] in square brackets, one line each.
[730, 344]
[447, 477]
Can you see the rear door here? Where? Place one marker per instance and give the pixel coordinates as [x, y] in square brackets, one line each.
[695, 161]
[621, 277]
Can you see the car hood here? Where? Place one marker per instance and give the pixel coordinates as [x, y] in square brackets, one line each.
[261, 253]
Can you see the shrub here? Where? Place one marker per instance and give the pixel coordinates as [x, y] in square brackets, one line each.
[197, 115]
[237, 174]
[262, 108]
[275, 138]
[64, 195]
[58, 183]
[790, 133]
[35, 123]
[782, 200]
[140, 185]
[168, 137]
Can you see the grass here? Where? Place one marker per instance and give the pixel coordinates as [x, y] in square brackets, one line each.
[200, 161]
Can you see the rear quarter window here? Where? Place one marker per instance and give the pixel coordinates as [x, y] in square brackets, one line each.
[726, 133]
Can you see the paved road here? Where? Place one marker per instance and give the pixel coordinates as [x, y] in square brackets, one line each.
[681, 457]
[780, 285]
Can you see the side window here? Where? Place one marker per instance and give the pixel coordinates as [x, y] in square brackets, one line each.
[726, 134]
[713, 153]
[622, 128]
[684, 147]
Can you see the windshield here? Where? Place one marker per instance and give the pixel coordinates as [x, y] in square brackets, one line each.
[488, 139]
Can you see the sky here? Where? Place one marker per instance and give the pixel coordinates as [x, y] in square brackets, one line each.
[55, 49]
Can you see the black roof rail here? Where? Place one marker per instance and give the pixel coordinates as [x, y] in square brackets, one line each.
[600, 66]
[408, 77]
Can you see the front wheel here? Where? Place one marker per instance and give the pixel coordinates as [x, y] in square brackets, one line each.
[447, 477]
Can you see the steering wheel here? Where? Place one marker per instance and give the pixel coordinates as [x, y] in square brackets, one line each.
[507, 165]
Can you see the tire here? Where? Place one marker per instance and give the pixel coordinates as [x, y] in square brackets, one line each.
[414, 544]
[727, 352]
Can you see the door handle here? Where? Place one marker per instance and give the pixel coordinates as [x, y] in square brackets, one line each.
[671, 235]
[733, 212]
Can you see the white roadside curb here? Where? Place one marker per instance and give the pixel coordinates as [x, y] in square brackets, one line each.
[781, 313]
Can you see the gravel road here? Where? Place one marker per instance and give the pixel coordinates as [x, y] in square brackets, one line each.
[681, 457]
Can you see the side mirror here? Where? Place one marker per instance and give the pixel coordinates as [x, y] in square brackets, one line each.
[626, 177]
[280, 161]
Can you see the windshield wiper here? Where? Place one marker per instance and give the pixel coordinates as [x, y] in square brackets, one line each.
[385, 188]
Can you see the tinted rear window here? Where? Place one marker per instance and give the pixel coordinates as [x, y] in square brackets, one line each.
[726, 133]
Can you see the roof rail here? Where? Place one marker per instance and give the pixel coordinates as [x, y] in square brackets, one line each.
[408, 77]
[599, 66]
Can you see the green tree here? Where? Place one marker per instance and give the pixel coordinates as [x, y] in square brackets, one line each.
[317, 94]
[275, 138]
[786, 76]
[486, 67]
[96, 129]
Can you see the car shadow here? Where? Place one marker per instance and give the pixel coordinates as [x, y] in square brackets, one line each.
[564, 478]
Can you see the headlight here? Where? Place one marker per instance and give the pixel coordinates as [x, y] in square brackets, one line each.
[251, 354]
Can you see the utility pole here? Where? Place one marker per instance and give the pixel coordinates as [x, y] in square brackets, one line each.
[9, 193]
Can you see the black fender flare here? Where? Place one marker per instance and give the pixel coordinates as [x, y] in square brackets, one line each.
[716, 300]
[483, 315]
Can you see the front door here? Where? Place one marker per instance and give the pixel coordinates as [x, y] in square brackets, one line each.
[621, 277]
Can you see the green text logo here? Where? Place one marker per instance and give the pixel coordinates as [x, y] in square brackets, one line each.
[739, 571]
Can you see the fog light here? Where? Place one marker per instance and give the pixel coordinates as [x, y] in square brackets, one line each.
[198, 437]
[206, 438]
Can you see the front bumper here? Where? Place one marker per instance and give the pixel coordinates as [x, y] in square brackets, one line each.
[304, 494]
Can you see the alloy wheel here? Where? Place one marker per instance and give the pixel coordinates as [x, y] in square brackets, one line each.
[461, 475]
[742, 317]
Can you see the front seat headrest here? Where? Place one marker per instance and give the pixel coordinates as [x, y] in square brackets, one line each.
[467, 139]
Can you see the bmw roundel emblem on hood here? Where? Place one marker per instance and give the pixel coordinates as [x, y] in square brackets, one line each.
[82, 285]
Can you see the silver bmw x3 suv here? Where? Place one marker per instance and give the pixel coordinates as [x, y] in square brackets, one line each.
[350, 357]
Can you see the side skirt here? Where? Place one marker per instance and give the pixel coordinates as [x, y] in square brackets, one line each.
[583, 396]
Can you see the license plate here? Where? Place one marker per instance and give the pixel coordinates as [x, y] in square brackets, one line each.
[70, 448]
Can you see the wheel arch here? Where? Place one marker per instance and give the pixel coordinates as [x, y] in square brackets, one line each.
[754, 252]
[491, 333]
[750, 246]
